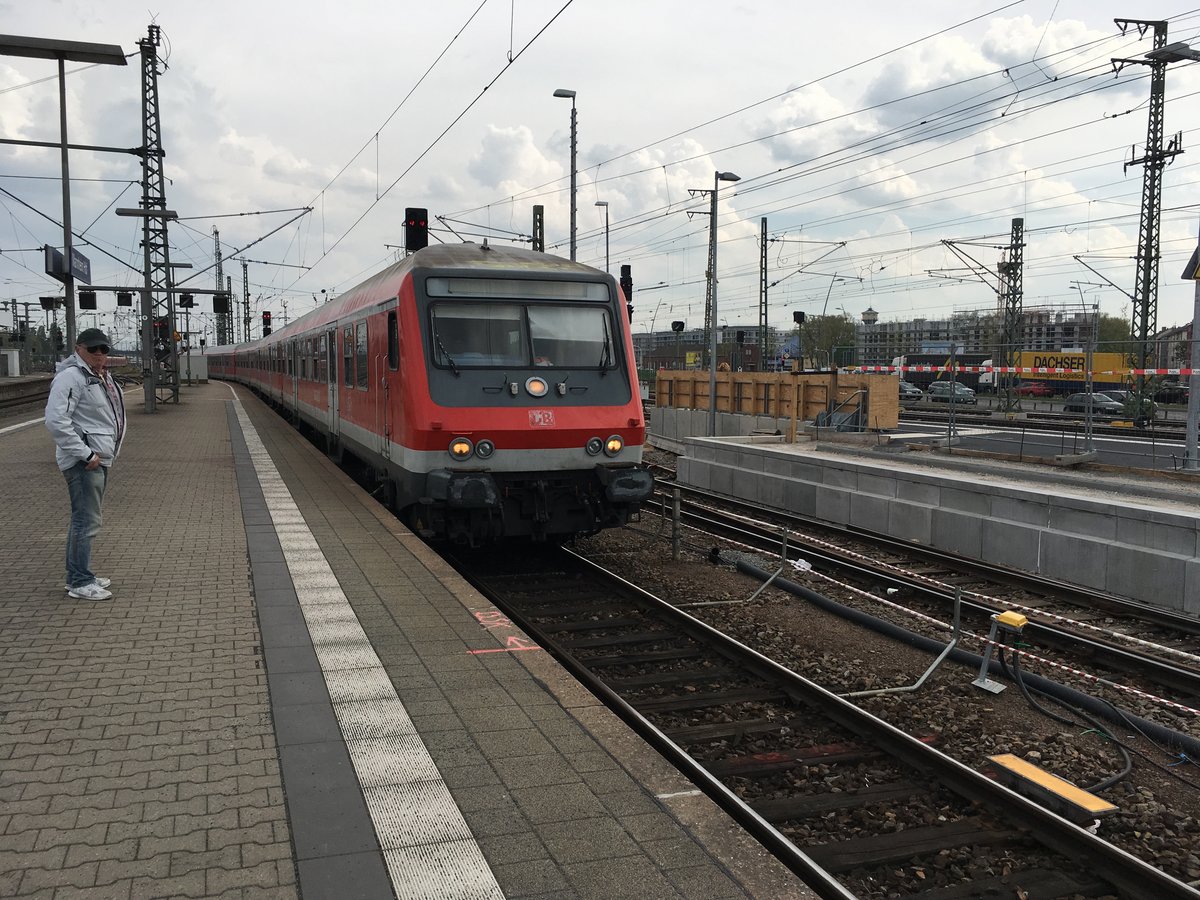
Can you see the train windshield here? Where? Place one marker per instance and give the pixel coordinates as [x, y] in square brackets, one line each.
[471, 335]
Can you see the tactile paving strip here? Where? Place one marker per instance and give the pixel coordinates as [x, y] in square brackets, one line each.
[427, 846]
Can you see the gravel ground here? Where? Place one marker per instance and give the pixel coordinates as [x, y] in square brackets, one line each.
[1159, 816]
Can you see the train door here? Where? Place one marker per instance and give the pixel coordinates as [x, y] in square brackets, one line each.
[331, 368]
[294, 371]
[385, 365]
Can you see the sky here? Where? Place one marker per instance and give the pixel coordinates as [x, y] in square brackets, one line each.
[889, 147]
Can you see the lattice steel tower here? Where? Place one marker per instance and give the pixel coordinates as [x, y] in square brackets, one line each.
[1154, 159]
[160, 362]
[225, 319]
[762, 295]
[1012, 293]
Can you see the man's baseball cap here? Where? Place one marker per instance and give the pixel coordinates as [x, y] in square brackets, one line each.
[91, 338]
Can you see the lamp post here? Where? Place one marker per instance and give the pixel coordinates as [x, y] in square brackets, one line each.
[569, 94]
[718, 177]
[62, 51]
[824, 308]
[604, 203]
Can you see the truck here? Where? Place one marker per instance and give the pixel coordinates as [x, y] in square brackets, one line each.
[1109, 370]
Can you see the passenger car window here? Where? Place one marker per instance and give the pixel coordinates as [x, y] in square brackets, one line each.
[360, 334]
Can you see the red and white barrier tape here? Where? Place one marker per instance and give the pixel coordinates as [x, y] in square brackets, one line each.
[1021, 370]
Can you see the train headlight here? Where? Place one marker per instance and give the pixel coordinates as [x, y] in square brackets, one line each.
[594, 446]
[484, 449]
[460, 448]
[613, 445]
[537, 387]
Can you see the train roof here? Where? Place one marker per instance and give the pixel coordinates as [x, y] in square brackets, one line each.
[497, 258]
[470, 258]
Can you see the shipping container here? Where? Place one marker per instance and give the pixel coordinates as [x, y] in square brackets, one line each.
[1109, 370]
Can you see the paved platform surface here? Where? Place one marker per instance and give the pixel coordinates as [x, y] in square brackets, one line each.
[289, 695]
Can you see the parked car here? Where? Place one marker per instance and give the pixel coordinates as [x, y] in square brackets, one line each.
[910, 393]
[1126, 399]
[1035, 389]
[1172, 392]
[1099, 404]
[951, 392]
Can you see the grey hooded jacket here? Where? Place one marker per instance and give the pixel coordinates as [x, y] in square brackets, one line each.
[81, 417]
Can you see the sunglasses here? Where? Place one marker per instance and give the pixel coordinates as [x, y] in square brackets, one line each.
[100, 348]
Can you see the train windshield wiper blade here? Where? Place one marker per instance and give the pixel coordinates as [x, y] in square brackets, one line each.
[606, 355]
[437, 338]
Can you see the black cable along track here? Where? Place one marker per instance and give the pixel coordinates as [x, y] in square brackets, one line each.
[736, 527]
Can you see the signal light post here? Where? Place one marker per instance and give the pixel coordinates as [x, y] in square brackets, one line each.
[266, 322]
[416, 229]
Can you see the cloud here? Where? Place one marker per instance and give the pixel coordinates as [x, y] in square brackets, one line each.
[509, 161]
[810, 123]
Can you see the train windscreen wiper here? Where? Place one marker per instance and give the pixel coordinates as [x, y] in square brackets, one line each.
[606, 356]
[446, 353]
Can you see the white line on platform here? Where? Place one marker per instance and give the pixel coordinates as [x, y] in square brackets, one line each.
[29, 422]
[427, 845]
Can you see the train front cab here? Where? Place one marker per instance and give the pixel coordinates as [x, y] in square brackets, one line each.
[534, 409]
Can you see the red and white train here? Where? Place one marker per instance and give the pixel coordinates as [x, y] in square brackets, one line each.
[492, 391]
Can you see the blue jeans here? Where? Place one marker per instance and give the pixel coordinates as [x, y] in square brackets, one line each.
[87, 493]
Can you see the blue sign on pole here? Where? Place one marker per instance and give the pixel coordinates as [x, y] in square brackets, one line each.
[81, 267]
[54, 262]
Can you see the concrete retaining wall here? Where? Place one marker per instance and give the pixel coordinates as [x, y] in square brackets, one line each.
[1146, 553]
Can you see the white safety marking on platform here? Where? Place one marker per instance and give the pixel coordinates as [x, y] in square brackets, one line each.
[36, 421]
[20, 425]
[694, 793]
[427, 845]
[439, 870]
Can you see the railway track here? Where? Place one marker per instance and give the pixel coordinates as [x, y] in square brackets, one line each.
[1153, 644]
[816, 779]
[36, 395]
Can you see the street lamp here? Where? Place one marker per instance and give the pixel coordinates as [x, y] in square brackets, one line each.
[718, 177]
[604, 203]
[824, 324]
[62, 51]
[569, 94]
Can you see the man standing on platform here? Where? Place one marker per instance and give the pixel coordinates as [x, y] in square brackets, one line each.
[86, 417]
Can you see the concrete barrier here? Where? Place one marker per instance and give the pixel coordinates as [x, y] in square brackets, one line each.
[1121, 542]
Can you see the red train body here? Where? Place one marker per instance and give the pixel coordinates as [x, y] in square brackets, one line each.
[491, 391]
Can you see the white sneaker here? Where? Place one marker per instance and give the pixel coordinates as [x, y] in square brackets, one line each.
[103, 582]
[91, 591]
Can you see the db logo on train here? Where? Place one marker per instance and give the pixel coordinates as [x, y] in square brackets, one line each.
[541, 417]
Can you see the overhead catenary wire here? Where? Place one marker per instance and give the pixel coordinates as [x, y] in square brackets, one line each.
[443, 133]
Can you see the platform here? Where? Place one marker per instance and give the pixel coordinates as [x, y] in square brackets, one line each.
[1130, 535]
[289, 694]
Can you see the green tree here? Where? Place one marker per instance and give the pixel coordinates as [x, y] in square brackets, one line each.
[1113, 335]
[826, 335]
